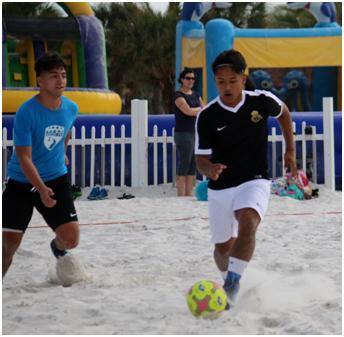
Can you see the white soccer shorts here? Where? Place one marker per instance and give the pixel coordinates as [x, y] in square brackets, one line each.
[222, 205]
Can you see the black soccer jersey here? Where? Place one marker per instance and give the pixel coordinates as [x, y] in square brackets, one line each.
[237, 136]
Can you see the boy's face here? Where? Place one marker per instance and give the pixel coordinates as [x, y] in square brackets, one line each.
[53, 82]
[230, 85]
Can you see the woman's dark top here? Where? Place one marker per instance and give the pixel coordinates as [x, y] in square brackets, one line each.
[185, 123]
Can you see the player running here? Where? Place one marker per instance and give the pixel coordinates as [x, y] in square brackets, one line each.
[231, 150]
[37, 172]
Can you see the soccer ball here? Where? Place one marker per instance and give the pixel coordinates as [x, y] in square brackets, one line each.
[206, 299]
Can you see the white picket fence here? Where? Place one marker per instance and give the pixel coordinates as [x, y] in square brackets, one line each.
[140, 141]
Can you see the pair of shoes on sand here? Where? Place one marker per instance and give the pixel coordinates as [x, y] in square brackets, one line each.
[98, 193]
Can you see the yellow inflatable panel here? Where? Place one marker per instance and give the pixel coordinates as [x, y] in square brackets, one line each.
[194, 57]
[291, 52]
[89, 102]
[79, 8]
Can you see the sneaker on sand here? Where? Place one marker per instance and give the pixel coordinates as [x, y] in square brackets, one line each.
[232, 285]
[103, 194]
[94, 193]
[57, 252]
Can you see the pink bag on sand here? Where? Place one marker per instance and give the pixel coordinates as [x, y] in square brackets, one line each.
[298, 187]
[301, 181]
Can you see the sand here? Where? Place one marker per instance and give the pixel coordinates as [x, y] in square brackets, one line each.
[142, 255]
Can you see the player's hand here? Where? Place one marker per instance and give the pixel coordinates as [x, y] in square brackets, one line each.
[290, 162]
[66, 160]
[215, 170]
[46, 197]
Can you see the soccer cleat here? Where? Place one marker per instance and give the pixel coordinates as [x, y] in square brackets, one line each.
[103, 194]
[232, 285]
[94, 193]
[57, 252]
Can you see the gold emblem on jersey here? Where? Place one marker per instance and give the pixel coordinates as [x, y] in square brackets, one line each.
[255, 116]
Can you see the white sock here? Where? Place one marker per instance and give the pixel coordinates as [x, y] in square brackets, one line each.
[236, 265]
[224, 274]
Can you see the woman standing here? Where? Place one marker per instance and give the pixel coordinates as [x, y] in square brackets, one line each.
[186, 105]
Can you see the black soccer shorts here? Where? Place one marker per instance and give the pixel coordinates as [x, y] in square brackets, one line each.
[19, 199]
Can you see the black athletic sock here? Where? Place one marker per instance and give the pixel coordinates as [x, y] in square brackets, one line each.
[57, 252]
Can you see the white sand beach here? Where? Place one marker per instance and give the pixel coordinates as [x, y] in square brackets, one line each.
[143, 254]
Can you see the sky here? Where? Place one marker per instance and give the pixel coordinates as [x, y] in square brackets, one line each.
[162, 6]
[159, 6]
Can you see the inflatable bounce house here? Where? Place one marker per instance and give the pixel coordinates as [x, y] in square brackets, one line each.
[318, 49]
[310, 60]
[79, 38]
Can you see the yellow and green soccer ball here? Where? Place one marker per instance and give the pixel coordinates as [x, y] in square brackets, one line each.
[206, 299]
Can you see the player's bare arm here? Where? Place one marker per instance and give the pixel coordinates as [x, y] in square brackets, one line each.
[68, 137]
[209, 169]
[285, 122]
[24, 154]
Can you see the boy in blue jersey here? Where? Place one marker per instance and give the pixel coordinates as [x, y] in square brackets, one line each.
[37, 172]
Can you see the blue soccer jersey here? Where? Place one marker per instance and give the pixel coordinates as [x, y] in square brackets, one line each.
[45, 131]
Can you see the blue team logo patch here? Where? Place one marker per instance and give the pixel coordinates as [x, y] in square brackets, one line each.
[52, 136]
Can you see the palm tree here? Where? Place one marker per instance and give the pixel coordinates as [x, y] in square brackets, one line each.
[241, 14]
[30, 9]
[141, 52]
[283, 16]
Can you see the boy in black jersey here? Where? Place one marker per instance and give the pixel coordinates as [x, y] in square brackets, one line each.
[231, 150]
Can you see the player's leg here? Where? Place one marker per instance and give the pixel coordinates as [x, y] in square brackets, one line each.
[222, 222]
[250, 204]
[67, 237]
[222, 252]
[10, 244]
[69, 268]
[242, 250]
[62, 218]
[245, 244]
[17, 209]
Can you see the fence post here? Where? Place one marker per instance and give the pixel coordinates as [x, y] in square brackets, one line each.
[139, 131]
[328, 143]
[4, 154]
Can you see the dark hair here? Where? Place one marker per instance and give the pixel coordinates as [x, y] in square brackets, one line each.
[49, 61]
[235, 60]
[230, 58]
[184, 72]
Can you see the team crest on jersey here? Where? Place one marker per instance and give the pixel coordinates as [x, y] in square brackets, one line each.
[255, 116]
[52, 136]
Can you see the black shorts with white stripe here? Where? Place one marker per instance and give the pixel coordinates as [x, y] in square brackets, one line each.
[19, 200]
